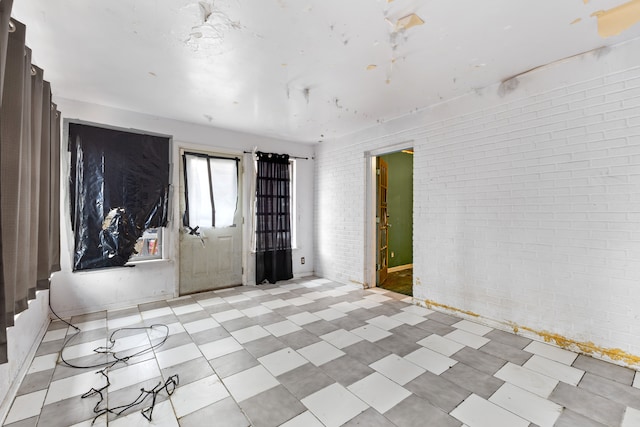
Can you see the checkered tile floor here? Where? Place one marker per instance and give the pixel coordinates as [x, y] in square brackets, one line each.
[316, 353]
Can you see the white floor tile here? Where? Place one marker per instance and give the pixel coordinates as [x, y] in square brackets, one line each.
[256, 311]
[159, 332]
[384, 322]
[477, 412]
[320, 353]
[163, 416]
[305, 419]
[233, 299]
[408, 318]
[341, 338]
[282, 361]
[631, 418]
[527, 405]
[377, 298]
[430, 360]
[371, 333]
[157, 312]
[291, 286]
[133, 374]
[416, 309]
[26, 406]
[321, 281]
[367, 303]
[349, 288]
[397, 369]
[101, 421]
[191, 397]
[335, 293]
[55, 335]
[276, 291]
[123, 322]
[92, 325]
[282, 328]
[315, 295]
[467, 338]
[249, 334]
[210, 302]
[553, 369]
[345, 307]
[177, 355]
[303, 318]
[334, 405]
[84, 349]
[551, 352]
[256, 293]
[474, 328]
[330, 314]
[298, 301]
[201, 325]
[534, 382]
[74, 386]
[249, 383]
[219, 348]
[225, 316]
[379, 392]
[276, 303]
[440, 344]
[43, 363]
[124, 343]
[636, 381]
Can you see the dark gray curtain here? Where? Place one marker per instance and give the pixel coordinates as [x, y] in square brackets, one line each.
[29, 163]
[273, 219]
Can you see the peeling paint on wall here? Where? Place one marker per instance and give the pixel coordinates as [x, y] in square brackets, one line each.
[614, 21]
[372, 67]
[408, 21]
[508, 86]
[431, 304]
[575, 21]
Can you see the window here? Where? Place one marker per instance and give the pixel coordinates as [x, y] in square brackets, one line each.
[119, 184]
[211, 190]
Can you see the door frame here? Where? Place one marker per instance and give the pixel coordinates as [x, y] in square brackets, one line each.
[178, 149]
[370, 242]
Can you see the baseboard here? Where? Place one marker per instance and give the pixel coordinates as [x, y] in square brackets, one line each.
[399, 268]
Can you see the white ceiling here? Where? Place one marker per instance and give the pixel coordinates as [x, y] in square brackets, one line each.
[303, 70]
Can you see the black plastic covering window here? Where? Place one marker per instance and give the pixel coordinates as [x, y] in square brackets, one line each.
[119, 185]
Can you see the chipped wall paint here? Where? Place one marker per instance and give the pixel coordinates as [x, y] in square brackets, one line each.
[614, 21]
[614, 355]
[575, 21]
[372, 67]
[408, 21]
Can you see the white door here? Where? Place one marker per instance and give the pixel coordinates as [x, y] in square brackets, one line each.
[210, 256]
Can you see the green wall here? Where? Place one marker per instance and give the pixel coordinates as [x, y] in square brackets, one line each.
[400, 208]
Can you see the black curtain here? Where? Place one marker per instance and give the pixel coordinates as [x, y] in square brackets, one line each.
[273, 218]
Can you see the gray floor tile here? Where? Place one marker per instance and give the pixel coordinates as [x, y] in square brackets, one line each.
[435, 327]
[288, 310]
[57, 324]
[604, 369]
[123, 312]
[299, 339]
[568, 418]
[384, 310]
[305, 380]
[82, 318]
[446, 319]
[411, 333]
[226, 413]
[88, 363]
[67, 412]
[369, 418]
[613, 390]
[167, 319]
[36, 381]
[233, 363]
[362, 314]
[152, 305]
[29, 422]
[479, 360]
[588, 404]
[176, 340]
[348, 323]
[210, 335]
[239, 323]
[438, 391]
[49, 347]
[506, 352]
[120, 400]
[320, 327]
[366, 352]
[272, 407]
[415, 411]
[194, 316]
[509, 339]
[346, 370]
[190, 371]
[473, 380]
[263, 346]
[397, 344]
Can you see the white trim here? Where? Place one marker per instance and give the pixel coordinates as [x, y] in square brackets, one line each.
[399, 268]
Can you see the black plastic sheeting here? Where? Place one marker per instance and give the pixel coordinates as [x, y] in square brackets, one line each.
[119, 188]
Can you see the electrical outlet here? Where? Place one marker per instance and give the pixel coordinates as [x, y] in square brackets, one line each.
[302, 260]
[393, 254]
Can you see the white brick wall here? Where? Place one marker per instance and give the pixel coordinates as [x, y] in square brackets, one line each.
[526, 207]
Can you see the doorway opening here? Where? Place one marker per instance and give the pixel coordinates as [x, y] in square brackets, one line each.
[390, 219]
[395, 221]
